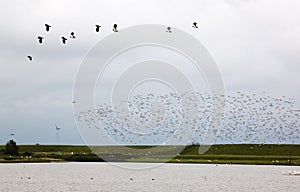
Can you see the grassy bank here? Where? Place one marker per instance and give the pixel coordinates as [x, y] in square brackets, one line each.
[217, 154]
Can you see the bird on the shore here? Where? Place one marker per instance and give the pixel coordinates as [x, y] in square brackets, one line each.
[40, 38]
[29, 57]
[168, 30]
[47, 27]
[195, 25]
[64, 39]
[72, 36]
[98, 28]
[115, 28]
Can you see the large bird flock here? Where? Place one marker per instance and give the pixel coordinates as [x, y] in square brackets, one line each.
[150, 119]
[165, 119]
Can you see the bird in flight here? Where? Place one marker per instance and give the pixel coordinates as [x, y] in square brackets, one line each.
[57, 127]
[195, 25]
[40, 39]
[72, 36]
[29, 57]
[115, 28]
[47, 27]
[98, 28]
[64, 40]
[169, 30]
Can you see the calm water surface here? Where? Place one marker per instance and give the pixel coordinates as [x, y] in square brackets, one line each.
[88, 177]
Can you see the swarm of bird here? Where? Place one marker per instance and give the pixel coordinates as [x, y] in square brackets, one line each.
[172, 118]
[150, 119]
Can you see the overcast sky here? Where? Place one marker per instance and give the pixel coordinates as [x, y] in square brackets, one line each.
[255, 43]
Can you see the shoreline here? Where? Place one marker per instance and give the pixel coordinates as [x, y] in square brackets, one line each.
[242, 154]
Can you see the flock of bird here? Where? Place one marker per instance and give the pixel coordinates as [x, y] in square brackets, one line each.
[73, 36]
[150, 119]
[64, 38]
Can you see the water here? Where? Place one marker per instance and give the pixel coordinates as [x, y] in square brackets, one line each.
[94, 177]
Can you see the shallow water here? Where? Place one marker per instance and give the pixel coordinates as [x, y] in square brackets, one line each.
[88, 177]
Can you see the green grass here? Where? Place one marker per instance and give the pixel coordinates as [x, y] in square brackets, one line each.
[217, 154]
[53, 148]
[248, 149]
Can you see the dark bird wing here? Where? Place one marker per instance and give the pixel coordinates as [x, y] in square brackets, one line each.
[40, 39]
[115, 28]
[97, 28]
[29, 57]
[47, 27]
[195, 25]
[64, 40]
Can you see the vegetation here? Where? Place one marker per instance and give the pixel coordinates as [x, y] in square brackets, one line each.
[11, 148]
[217, 154]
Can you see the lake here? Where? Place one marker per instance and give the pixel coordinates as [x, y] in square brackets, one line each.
[94, 177]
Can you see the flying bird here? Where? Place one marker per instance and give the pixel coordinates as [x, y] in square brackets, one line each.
[40, 39]
[169, 30]
[115, 29]
[195, 25]
[47, 27]
[29, 57]
[57, 128]
[72, 36]
[98, 28]
[64, 40]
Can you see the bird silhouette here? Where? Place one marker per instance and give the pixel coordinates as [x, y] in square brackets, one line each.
[169, 30]
[195, 25]
[72, 36]
[29, 57]
[115, 28]
[47, 27]
[64, 39]
[98, 28]
[40, 39]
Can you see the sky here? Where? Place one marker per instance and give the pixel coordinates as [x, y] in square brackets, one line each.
[255, 44]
